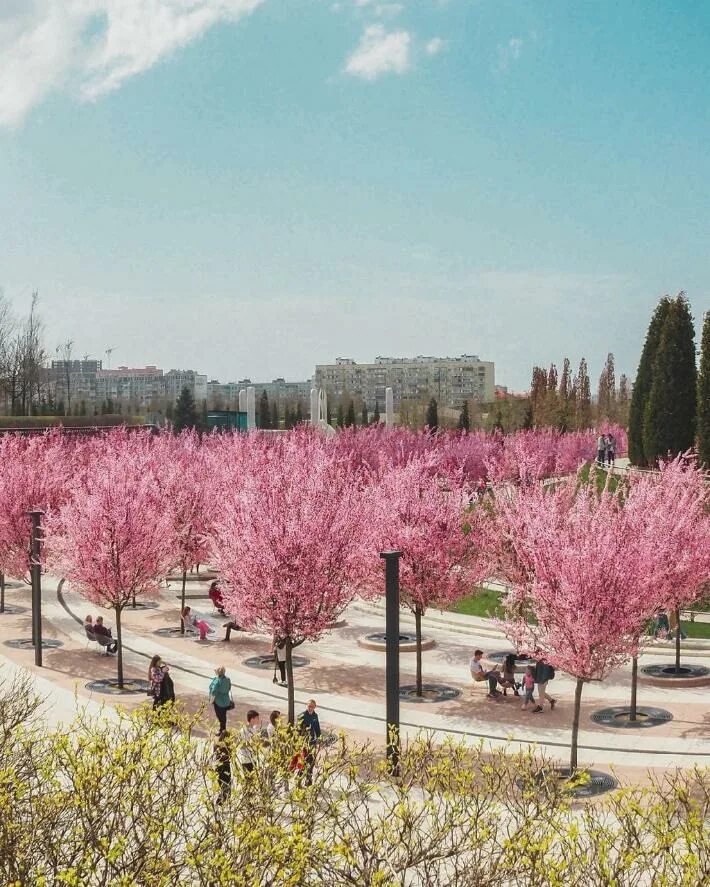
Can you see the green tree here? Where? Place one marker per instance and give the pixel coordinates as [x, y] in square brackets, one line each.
[704, 395]
[364, 418]
[264, 417]
[670, 414]
[350, 415]
[464, 419]
[298, 418]
[606, 396]
[340, 415]
[376, 414]
[644, 379]
[274, 414]
[583, 405]
[185, 411]
[432, 415]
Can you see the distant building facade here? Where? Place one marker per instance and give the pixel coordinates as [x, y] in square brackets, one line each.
[139, 385]
[280, 389]
[451, 380]
[175, 380]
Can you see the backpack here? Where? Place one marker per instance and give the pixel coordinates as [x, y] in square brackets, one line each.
[550, 672]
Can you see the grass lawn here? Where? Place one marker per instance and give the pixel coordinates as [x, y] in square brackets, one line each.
[601, 476]
[696, 629]
[484, 603]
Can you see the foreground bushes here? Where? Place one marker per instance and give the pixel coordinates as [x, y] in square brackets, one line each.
[136, 803]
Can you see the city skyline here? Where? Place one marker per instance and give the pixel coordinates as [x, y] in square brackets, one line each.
[254, 187]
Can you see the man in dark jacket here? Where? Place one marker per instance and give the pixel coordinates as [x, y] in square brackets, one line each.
[105, 631]
[543, 674]
[310, 728]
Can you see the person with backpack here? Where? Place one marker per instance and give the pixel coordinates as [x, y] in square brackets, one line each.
[544, 673]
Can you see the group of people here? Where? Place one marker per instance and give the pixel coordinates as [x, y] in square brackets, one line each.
[252, 732]
[537, 675]
[97, 628]
[606, 449]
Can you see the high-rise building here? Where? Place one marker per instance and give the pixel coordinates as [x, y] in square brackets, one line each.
[175, 380]
[451, 380]
[139, 385]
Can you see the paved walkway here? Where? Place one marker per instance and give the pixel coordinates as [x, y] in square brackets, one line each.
[348, 681]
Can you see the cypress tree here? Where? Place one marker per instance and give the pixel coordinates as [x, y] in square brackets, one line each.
[464, 419]
[704, 396]
[350, 415]
[364, 419]
[642, 385]
[670, 413]
[274, 414]
[583, 403]
[376, 414]
[298, 418]
[340, 415]
[264, 418]
[432, 415]
[185, 411]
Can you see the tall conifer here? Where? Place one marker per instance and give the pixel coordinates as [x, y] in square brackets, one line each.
[704, 395]
[642, 385]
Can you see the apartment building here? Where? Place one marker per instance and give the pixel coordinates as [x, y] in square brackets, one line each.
[451, 380]
[279, 389]
[175, 380]
[139, 385]
[71, 381]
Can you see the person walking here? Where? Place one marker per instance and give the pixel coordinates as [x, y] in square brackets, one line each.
[544, 673]
[280, 659]
[309, 724]
[245, 752]
[167, 688]
[601, 450]
[221, 695]
[529, 687]
[610, 449]
[155, 676]
[223, 764]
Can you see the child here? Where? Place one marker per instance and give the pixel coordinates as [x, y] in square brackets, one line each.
[528, 686]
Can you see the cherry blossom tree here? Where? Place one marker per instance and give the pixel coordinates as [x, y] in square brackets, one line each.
[577, 598]
[112, 538]
[422, 514]
[290, 541]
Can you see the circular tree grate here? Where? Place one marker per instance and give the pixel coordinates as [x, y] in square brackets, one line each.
[12, 611]
[618, 716]
[141, 605]
[381, 638]
[26, 644]
[266, 662]
[173, 632]
[596, 783]
[132, 686]
[669, 671]
[430, 693]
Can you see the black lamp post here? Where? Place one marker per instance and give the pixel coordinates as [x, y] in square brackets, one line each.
[391, 559]
[36, 576]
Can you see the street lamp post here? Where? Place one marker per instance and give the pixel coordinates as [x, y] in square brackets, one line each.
[36, 576]
[391, 559]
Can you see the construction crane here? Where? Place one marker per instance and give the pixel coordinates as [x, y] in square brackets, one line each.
[109, 352]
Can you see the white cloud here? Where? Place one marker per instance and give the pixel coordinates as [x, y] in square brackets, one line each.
[92, 46]
[435, 45]
[380, 52]
[509, 52]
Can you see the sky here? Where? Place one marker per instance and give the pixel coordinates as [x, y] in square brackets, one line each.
[251, 187]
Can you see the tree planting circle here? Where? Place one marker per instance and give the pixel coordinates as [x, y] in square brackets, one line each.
[407, 642]
[110, 686]
[618, 716]
[173, 632]
[597, 782]
[430, 693]
[669, 672]
[14, 585]
[27, 644]
[12, 611]
[266, 662]
[141, 605]
[521, 661]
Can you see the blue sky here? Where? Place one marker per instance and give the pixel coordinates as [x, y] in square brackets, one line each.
[249, 187]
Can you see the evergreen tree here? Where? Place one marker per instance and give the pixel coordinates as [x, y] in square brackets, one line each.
[704, 395]
[606, 393]
[328, 413]
[670, 414]
[583, 404]
[169, 410]
[376, 414]
[528, 417]
[464, 419]
[185, 411]
[288, 419]
[202, 424]
[432, 415]
[274, 414]
[498, 424]
[299, 413]
[538, 393]
[264, 416]
[350, 415]
[82, 408]
[644, 379]
[364, 419]
[622, 402]
[340, 415]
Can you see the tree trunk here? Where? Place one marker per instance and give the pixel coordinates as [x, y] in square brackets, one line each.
[418, 624]
[575, 725]
[2, 592]
[182, 602]
[133, 602]
[634, 686]
[289, 681]
[119, 652]
[677, 641]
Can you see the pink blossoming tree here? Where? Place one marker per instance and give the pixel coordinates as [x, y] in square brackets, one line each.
[422, 514]
[112, 538]
[289, 541]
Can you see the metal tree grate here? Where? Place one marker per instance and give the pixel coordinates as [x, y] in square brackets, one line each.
[266, 663]
[618, 716]
[27, 644]
[381, 638]
[669, 671]
[109, 686]
[430, 693]
[10, 610]
[597, 782]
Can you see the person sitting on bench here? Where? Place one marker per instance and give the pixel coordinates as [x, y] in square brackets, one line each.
[215, 595]
[193, 621]
[103, 635]
[478, 673]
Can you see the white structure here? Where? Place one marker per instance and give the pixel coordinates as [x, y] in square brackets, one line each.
[242, 401]
[319, 411]
[451, 380]
[315, 406]
[389, 408]
[251, 408]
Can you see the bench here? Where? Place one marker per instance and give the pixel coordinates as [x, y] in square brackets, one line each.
[99, 639]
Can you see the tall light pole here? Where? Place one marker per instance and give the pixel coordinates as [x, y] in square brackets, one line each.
[36, 576]
[391, 559]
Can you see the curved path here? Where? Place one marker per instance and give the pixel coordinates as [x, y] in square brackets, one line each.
[348, 681]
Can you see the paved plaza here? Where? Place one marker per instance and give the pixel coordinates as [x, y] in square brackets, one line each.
[348, 680]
